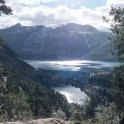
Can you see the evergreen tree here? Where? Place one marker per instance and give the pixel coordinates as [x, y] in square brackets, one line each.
[117, 28]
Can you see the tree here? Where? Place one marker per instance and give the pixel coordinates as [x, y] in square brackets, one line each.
[4, 8]
[107, 115]
[118, 89]
[117, 28]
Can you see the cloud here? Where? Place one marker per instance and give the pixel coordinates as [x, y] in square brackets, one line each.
[116, 3]
[32, 12]
[29, 2]
[59, 15]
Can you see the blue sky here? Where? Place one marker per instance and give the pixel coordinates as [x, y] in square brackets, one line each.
[56, 12]
[93, 3]
[77, 3]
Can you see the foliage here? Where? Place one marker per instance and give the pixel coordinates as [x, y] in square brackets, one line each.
[77, 112]
[117, 28]
[13, 102]
[4, 8]
[107, 115]
[23, 98]
[101, 108]
[118, 89]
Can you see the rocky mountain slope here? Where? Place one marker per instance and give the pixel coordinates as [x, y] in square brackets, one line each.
[70, 41]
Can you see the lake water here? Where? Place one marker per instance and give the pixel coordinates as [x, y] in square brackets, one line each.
[73, 69]
[74, 65]
[73, 95]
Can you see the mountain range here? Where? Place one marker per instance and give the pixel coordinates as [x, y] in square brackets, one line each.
[63, 42]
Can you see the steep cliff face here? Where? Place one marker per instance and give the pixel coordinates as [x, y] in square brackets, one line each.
[70, 41]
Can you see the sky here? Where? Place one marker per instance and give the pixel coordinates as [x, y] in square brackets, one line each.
[56, 12]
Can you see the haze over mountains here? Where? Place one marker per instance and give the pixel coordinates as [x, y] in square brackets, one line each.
[64, 42]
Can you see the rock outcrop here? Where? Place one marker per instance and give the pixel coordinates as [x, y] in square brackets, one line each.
[40, 121]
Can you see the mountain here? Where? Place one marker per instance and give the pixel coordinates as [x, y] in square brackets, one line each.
[70, 41]
[103, 52]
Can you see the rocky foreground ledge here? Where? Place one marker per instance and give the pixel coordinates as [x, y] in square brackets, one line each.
[40, 121]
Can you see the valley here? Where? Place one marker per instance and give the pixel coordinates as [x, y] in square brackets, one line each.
[50, 79]
[65, 76]
[61, 62]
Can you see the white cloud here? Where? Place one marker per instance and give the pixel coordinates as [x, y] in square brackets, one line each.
[32, 12]
[116, 3]
[28, 2]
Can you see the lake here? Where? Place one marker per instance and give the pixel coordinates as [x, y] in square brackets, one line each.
[74, 65]
[73, 95]
[73, 69]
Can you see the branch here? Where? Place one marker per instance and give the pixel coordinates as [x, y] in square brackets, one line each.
[5, 10]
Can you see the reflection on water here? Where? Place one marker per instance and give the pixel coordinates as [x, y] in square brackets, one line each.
[73, 95]
[74, 65]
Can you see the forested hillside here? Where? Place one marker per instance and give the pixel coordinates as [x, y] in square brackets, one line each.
[22, 97]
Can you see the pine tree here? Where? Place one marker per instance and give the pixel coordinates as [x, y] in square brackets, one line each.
[117, 28]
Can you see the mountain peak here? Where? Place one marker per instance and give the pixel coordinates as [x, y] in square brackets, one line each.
[17, 25]
[14, 27]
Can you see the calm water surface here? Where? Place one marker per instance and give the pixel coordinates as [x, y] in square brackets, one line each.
[74, 65]
[73, 95]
